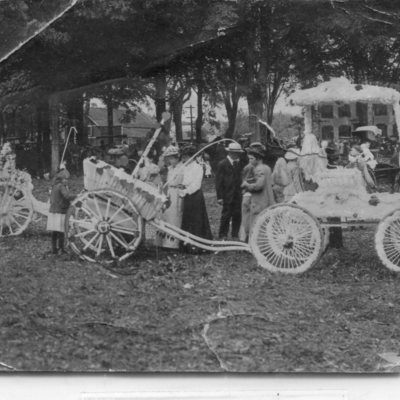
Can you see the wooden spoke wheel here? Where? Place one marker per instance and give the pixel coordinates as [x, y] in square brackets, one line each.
[387, 240]
[103, 225]
[286, 238]
[16, 209]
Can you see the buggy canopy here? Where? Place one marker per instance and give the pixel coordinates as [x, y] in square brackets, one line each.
[341, 91]
[370, 133]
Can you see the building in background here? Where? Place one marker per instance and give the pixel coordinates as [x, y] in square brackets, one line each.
[335, 122]
[133, 132]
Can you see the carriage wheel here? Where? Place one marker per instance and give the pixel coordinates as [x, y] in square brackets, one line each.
[387, 240]
[103, 225]
[15, 209]
[286, 238]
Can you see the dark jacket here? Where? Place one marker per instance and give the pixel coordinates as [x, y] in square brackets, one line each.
[228, 181]
[220, 153]
[60, 198]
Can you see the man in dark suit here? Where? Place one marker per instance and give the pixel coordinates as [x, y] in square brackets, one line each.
[229, 193]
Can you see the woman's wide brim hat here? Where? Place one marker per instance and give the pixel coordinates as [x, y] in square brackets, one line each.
[189, 150]
[292, 154]
[255, 150]
[257, 145]
[171, 151]
[62, 174]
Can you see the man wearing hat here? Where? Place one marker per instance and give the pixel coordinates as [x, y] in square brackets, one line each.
[229, 193]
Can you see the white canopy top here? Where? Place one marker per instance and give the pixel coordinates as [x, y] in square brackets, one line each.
[341, 90]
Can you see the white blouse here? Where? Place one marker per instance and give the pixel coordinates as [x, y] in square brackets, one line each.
[175, 175]
[192, 178]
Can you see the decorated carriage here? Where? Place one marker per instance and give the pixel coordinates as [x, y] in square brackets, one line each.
[18, 207]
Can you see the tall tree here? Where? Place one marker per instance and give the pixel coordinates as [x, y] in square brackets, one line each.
[179, 92]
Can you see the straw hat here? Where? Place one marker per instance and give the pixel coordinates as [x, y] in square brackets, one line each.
[255, 150]
[257, 145]
[171, 151]
[292, 154]
[234, 148]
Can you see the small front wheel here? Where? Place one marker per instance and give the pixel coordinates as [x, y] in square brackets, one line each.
[387, 240]
[286, 238]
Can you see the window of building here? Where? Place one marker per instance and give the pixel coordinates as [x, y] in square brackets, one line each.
[327, 132]
[326, 111]
[395, 131]
[380, 110]
[344, 111]
[384, 129]
[344, 131]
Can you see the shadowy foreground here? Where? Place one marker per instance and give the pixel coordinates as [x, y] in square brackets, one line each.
[161, 311]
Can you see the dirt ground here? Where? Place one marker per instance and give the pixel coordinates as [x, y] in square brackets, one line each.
[210, 313]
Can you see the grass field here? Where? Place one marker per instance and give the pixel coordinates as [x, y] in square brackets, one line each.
[206, 313]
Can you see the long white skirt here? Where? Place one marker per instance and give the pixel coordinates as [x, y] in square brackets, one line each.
[172, 215]
[55, 222]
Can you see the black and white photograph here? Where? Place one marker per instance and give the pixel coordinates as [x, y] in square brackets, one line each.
[200, 186]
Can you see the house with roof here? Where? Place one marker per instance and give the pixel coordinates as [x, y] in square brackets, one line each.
[133, 132]
[336, 108]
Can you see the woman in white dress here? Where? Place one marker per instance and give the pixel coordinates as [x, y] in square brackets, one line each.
[368, 156]
[194, 216]
[173, 214]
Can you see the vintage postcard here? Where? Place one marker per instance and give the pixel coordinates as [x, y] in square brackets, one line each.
[199, 186]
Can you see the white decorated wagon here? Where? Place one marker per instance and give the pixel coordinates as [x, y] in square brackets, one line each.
[18, 206]
[107, 220]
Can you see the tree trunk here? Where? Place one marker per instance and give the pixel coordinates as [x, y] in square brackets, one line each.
[199, 119]
[161, 89]
[2, 130]
[110, 121]
[55, 134]
[176, 108]
[81, 136]
[11, 123]
[256, 108]
[231, 111]
[74, 106]
[39, 125]
[46, 134]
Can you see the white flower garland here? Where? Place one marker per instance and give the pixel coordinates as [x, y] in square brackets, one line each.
[9, 171]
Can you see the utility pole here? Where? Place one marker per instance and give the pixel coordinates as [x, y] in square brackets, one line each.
[191, 122]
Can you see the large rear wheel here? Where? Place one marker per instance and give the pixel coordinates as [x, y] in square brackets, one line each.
[103, 225]
[387, 240]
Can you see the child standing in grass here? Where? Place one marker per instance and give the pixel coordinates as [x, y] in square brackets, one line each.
[60, 200]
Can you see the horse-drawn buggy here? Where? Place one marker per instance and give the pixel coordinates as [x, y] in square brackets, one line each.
[384, 171]
[18, 207]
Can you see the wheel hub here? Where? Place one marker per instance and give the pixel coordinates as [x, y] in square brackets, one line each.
[104, 227]
[286, 241]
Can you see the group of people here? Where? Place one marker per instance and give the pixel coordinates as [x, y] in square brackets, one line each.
[243, 191]
[182, 182]
[245, 186]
